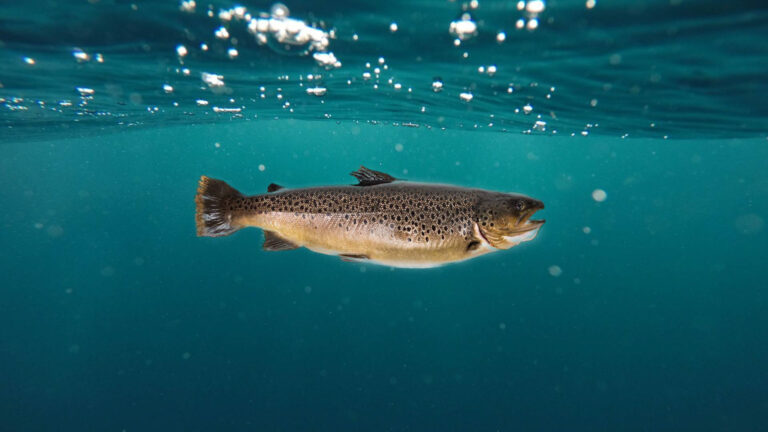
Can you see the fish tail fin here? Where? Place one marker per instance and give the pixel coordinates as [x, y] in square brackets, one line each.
[214, 203]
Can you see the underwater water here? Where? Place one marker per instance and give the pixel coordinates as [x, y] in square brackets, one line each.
[640, 306]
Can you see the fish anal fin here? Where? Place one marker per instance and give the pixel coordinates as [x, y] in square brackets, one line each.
[273, 242]
[369, 177]
[273, 187]
[353, 258]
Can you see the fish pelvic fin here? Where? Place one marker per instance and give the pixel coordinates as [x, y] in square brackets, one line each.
[369, 177]
[273, 242]
[214, 203]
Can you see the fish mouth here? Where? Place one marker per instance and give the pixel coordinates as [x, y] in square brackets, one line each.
[525, 223]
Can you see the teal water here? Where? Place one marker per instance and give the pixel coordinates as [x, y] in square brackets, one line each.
[642, 312]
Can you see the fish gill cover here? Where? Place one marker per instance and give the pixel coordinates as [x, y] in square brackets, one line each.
[654, 69]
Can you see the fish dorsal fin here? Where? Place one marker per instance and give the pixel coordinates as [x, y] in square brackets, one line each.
[274, 187]
[369, 177]
[273, 242]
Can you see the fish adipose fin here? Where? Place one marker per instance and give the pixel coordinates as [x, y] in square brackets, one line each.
[273, 242]
[273, 187]
[353, 258]
[213, 202]
[368, 177]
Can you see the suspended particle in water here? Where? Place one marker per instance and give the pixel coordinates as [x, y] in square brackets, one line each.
[599, 195]
[29, 60]
[398, 147]
[527, 109]
[586, 230]
[555, 270]
[466, 96]
[262, 167]
[501, 37]
[167, 88]
[591, 3]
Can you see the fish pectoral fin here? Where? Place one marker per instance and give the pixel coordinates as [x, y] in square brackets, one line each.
[274, 187]
[273, 242]
[353, 258]
[369, 177]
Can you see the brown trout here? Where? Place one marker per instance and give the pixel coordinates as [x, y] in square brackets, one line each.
[379, 220]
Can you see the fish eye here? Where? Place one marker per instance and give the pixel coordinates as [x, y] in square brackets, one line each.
[519, 205]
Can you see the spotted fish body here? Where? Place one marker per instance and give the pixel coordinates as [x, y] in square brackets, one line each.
[400, 224]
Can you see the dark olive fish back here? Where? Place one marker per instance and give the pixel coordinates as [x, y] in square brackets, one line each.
[422, 211]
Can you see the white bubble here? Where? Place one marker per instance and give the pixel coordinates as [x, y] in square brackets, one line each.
[501, 36]
[262, 167]
[80, 55]
[519, 24]
[393, 27]
[533, 24]
[398, 147]
[232, 53]
[181, 50]
[201, 102]
[221, 33]
[591, 3]
[167, 88]
[279, 10]
[599, 195]
[187, 6]
[535, 6]
[527, 109]
[327, 60]
[437, 85]
[555, 270]
[586, 230]
[213, 80]
[463, 28]
[29, 60]
[466, 96]
[317, 91]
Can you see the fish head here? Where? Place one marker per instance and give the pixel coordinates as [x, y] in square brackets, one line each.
[504, 220]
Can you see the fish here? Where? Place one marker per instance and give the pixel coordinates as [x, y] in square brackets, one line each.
[380, 220]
